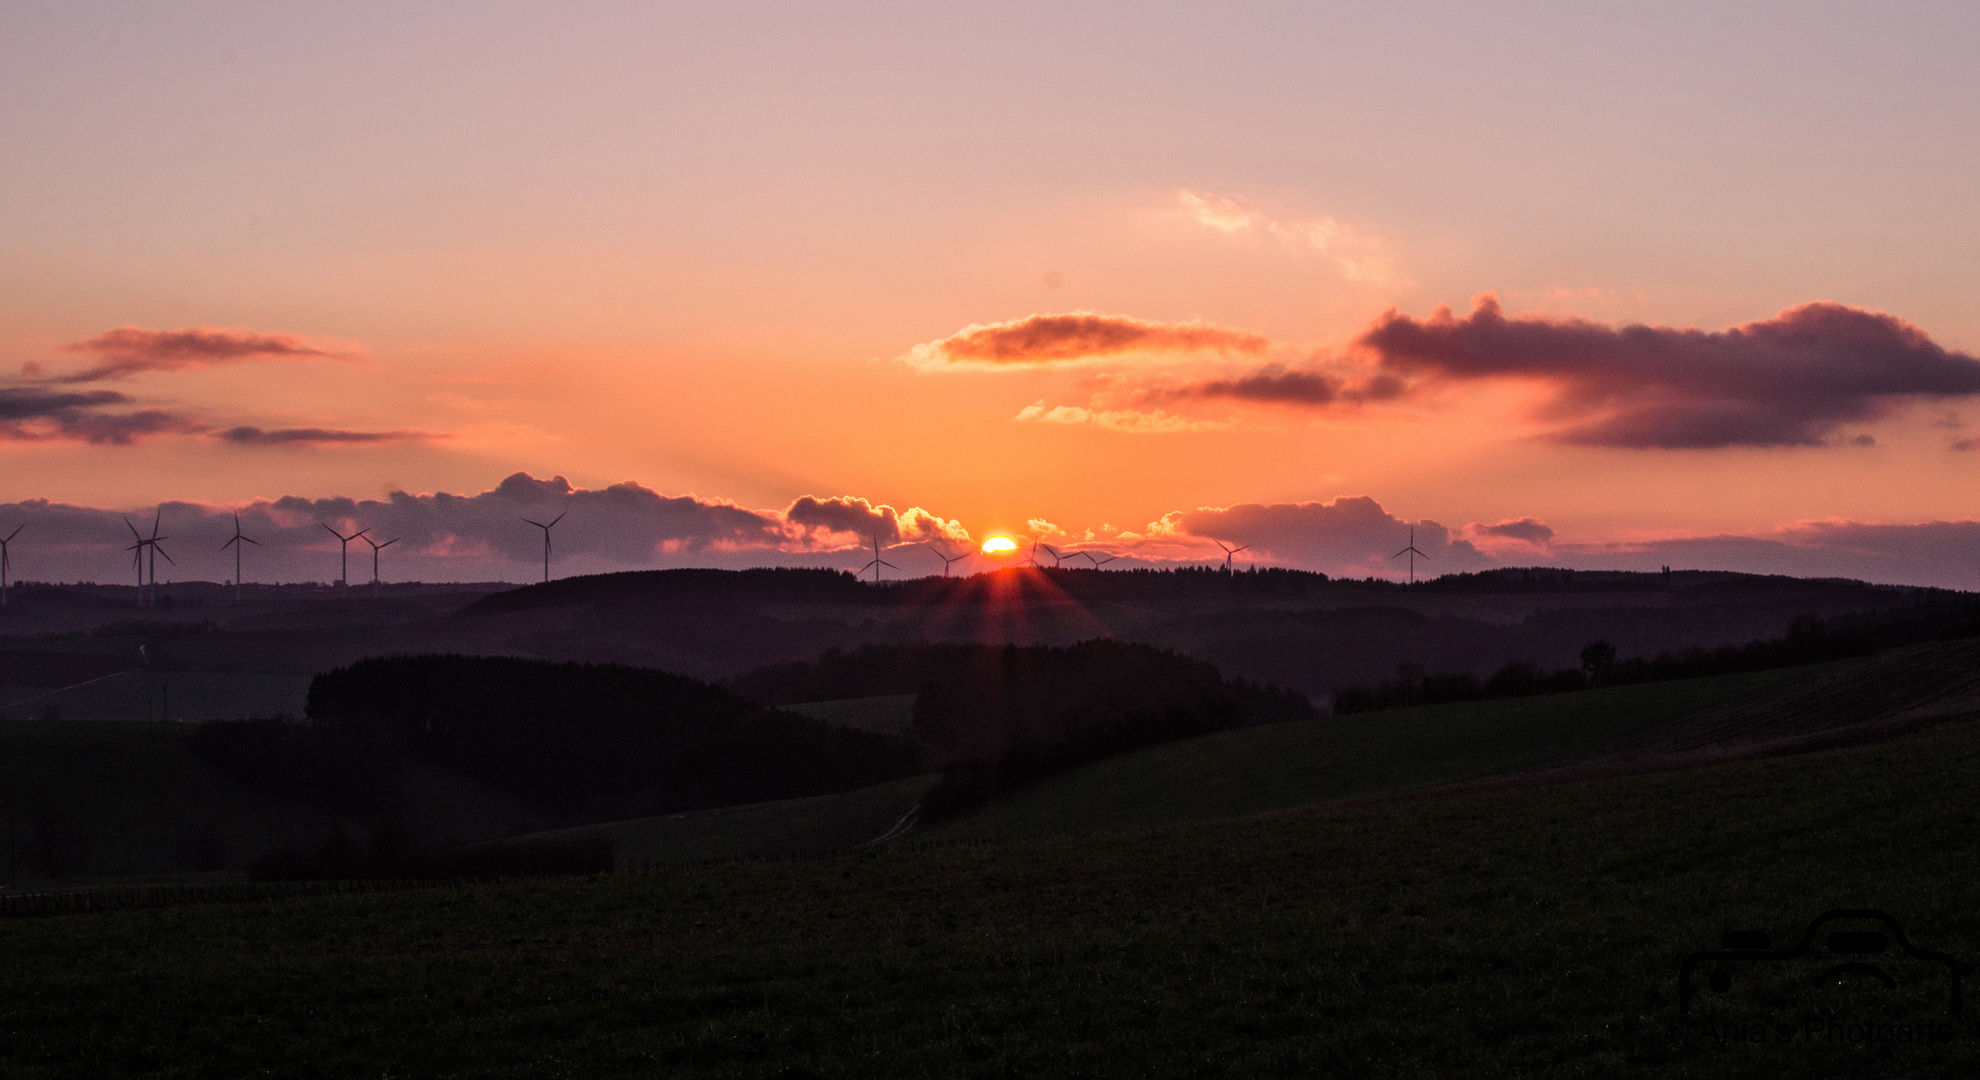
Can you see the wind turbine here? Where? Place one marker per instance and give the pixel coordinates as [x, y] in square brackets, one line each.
[877, 562]
[377, 547]
[1096, 560]
[148, 545]
[344, 553]
[1229, 553]
[947, 560]
[236, 543]
[1056, 557]
[546, 542]
[1412, 553]
[7, 562]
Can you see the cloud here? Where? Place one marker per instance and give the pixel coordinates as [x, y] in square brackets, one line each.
[1351, 535]
[314, 436]
[475, 537]
[1938, 553]
[128, 350]
[1529, 534]
[858, 518]
[33, 414]
[1131, 421]
[1079, 336]
[1308, 386]
[1360, 257]
[1791, 380]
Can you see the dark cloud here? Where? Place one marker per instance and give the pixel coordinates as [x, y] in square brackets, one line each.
[254, 436]
[445, 536]
[857, 517]
[30, 413]
[1530, 531]
[1351, 535]
[128, 350]
[1046, 339]
[1280, 384]
[1787, 381]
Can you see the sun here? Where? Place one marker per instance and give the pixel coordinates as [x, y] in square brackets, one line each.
[999, 545]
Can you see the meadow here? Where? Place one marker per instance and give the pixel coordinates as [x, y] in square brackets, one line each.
[1278, 766]
[1525, 932]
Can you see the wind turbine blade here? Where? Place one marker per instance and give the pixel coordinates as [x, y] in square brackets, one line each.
[389, 543]
[333, 532]
[256, 543]
[161, 551]
[538, 524]
[156, 518]
[16, 532]
[555, 520]
[136, 535]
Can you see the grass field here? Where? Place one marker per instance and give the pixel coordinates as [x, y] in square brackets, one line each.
[1280, 766]
[1532, 932]
[815, 826]
[126, 800]
[129, 800]
[888, 714]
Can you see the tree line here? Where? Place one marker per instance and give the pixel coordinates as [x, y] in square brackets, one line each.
[1810, 639]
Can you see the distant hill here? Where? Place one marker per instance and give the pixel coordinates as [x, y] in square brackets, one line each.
[1297, 630]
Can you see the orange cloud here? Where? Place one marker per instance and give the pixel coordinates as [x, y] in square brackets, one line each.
[845, 515]
[1079, 336]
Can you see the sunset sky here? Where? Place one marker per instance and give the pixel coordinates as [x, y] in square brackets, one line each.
[1591, 285]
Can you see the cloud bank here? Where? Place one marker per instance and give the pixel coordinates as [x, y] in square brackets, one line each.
[478, 537]
[1792, 380]
[1352, 535]
[1795, 380]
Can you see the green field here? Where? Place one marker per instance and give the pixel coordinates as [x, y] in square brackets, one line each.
[815, 826]
[1532, 933]
[1280, 766]
[888, 714]
[130, 800]
[126, 800]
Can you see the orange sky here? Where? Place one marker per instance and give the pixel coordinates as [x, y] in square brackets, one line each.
[695, 249]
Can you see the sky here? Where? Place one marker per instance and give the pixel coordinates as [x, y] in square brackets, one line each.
[743, 284]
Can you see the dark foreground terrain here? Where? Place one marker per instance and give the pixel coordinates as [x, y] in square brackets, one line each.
[1534, 931]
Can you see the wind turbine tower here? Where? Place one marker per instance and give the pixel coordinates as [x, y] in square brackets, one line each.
[236, 543]
[344, 554]
[377, 547]
[878, 562]
[947, 560]
[546, 542]
[1230, 553]
[7, 562]
[1412, 553]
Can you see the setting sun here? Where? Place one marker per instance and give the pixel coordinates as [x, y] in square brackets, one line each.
[999, 545]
